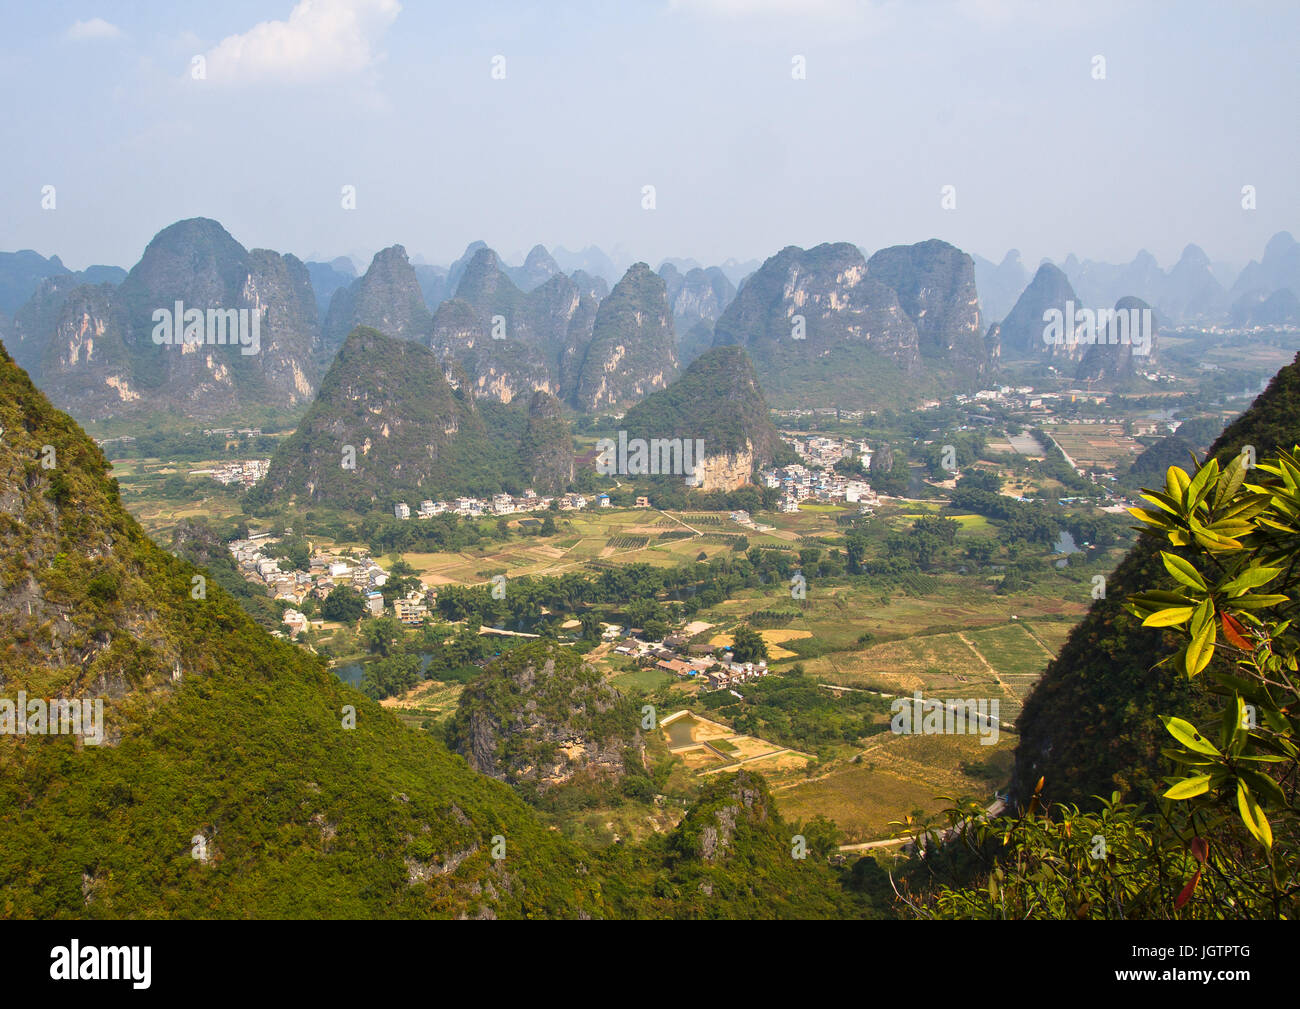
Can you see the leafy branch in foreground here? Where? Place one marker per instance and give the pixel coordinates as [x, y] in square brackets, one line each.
[1221, 841]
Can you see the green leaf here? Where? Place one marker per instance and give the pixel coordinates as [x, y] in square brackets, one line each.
[1264, 785]
[1170, 617]
[1183, 571]
[1201, 483]
[1185, 732]
[1257, 602]
[1230, 481]
[1149, 517]
[1203, 615]
[1160, 597]
[1164, 502]
[1200, 649]
[1189, 787]
[1176, 482]
[1251, 578]
[1252, 815]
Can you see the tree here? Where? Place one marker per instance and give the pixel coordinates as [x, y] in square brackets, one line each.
[855, 545]
[590, 626]
[748, 645]
[343, 604]
[381, 635]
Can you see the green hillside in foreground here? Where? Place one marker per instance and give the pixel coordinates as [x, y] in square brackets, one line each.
[222, 742]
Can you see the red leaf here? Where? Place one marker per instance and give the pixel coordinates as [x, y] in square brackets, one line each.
[1235, 632]
[1200, 850]
[1187, 890]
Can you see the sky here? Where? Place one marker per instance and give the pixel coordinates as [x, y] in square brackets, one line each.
[521, 123]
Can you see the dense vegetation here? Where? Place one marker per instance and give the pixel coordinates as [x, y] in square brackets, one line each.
[716, 400]
[230, 783]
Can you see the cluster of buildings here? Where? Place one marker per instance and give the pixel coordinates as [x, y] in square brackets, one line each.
[799, 483]
[498, 504]
[685, 661]
[822, 411]
[821, 451]
[230, 432]
[327, 571]
[728, 673]
[244, 472]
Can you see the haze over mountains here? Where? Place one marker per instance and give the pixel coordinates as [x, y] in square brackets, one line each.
[902, 322]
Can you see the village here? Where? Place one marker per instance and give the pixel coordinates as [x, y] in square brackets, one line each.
[241, 472]
[815, 479]
[504, 504]
[327, 571]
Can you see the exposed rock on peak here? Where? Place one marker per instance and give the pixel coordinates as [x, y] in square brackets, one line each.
[633, 345]
[935, 283]
[1126, 343]
[818, 317]
[1021, 334]
[104, 358]
[717, 404]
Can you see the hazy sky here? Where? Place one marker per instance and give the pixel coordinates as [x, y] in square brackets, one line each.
[695, 97]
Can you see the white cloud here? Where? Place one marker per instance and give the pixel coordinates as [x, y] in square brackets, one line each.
[95, 28]
[321, 39]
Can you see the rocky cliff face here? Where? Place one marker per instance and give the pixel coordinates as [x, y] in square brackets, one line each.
[725, 471]
[716, 402]
[1255, 308]
[1278, 269]
[326, 278]
[512, 342]
[385, 423]
[539, 717]
[1020, 335]
[1000, 284]
[36, 321]
[393, 421]
[1117, 355]
[592, 286]
[803, 305]
[697, 299]
[547, 448]
[1191, 291]
[387, 298]
[935, 284]
[104, 359]
[538, 268]
[86, 365]
[699, 294]
[633, 347]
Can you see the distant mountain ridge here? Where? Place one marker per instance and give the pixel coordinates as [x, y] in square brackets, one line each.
[104, 359]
